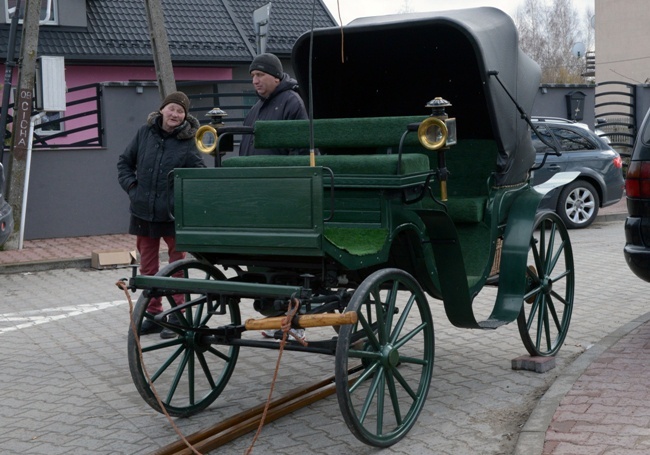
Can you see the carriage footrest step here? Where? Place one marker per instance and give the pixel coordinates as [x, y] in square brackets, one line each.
[491, 323]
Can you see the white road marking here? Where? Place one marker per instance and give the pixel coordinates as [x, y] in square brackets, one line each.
[26, 319]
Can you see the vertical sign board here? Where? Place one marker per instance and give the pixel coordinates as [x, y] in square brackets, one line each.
[22, 122]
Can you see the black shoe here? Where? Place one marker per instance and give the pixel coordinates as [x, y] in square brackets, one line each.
[149, 326]
[169, 333]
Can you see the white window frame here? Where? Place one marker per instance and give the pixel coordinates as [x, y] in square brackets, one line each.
[47, 6]
[49, 132]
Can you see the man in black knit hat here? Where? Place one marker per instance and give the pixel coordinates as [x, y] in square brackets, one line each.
[279, 100]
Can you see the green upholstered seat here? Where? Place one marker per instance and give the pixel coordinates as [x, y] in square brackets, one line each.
[339, 133]
[341, 164]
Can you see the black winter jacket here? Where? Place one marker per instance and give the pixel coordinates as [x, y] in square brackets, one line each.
[152, 154]
[283, 104]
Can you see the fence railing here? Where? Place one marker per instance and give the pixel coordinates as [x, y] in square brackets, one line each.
[615, 106]
[81, 127]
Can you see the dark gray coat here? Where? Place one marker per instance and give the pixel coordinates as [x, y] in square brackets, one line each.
[283, 104]
[149, 158]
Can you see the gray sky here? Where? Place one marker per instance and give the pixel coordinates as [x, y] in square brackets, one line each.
[351, 9]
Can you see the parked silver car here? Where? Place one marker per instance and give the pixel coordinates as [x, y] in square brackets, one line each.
[600, 182]
[6, 215]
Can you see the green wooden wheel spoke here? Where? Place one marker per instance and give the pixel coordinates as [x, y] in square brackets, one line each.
[553, 262]
[381, 387]
[553, 312]
[537, 257]
[531, 293]
[412, 393]
[412, 360]
[392, 390]
[166, 364]
[369, 332]
[560, 298]
[381, 319]
[547, 330]
[161, 346]
[402, 320]
[218, 353]
[365, 376]
[542, 246]
[206, 369]
[371, 394]
[364, 355]
[391, 301]
[191, 375]
[549, 250]
[562, 275]
[534, 310]
[177, 379]
[409, 336]
[540, 325]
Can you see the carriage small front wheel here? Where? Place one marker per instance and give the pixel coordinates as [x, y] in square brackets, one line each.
[550, 276]
[384, 362]
[187, 372]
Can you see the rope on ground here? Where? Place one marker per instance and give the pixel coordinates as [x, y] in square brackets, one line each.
[286, 329]
[123, 286]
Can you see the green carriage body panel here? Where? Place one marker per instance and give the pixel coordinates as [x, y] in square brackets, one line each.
[249, 211]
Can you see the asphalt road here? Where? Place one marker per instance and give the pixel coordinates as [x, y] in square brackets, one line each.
[66, 388]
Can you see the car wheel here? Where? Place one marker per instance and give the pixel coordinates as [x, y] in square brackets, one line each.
[578, 204]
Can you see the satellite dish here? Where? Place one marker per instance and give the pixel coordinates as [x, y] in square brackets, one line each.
[578, 50]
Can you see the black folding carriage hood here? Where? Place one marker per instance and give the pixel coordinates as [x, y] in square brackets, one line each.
[393, 65]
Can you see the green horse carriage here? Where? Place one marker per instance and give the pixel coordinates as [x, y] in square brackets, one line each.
[398, 206]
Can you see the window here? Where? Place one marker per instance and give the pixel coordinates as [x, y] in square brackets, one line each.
[48, 124]
[571, 140]
[541, 147]
[48, 15]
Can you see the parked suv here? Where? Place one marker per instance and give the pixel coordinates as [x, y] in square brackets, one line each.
[637, 188]
[600, 182]
[6, 216]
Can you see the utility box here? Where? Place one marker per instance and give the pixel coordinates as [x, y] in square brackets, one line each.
[50, 84]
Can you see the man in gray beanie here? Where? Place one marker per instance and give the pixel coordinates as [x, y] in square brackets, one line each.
[279, 100]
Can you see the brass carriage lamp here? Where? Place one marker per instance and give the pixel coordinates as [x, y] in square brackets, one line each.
[206, 136]
[442, 133]
[438, 132]
[216, 114]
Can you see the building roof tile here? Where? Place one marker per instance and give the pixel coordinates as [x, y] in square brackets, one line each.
[199, 32]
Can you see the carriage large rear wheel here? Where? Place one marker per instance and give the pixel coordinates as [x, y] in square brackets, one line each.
[187, 373]
[384, 362]
[546, 312]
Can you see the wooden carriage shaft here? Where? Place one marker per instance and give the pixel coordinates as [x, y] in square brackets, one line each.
[303, 321]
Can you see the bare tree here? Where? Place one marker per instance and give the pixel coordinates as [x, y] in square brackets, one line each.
[549, 33]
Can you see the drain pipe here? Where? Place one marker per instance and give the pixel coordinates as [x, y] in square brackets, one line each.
[28, 164]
